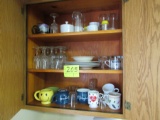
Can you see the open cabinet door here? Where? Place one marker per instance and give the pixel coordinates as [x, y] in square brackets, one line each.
[141, 22]
[12, 57]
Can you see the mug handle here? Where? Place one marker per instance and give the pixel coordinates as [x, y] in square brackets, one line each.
[54, 98]
[35, 95]
[35, 29]
[116, 89]
[108, 64]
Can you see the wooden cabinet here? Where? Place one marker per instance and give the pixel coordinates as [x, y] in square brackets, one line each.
[98, 43]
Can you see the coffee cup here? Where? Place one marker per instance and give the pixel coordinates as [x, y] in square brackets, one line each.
[92, 27]
[61, 97]
[114, 100]
[40, 28]
[44, 95]
[54, 89]
[113, 62]
[107, 88]
[82, 95]
[93, 98]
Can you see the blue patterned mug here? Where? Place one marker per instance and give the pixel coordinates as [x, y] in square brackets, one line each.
[82, 95]
[61, 97]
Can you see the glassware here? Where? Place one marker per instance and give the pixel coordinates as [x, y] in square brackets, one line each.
[36, 58]
[54, 25]
[92, 84]
[44, 61]
[103, 20]
[72, 99]
[52, 57]
[113, 21]
[77, 21]
[61, 56]
[102, 60]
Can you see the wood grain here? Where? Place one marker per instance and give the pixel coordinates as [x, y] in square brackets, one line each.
[12, 58]
[142, 57]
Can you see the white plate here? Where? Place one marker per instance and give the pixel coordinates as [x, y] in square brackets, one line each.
[85, 65]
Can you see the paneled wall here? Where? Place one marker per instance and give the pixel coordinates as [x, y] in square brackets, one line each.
[12, 57]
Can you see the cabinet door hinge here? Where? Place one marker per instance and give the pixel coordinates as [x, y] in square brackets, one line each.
[127, 105]
[22, 97]
[125, 1]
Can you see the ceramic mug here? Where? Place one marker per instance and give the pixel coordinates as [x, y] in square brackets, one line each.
[114, 100]
[93, 98]
[61, 97]
[109, 87]
[92, 28]
[40, 28]
[113, 62]
[82, 95]
[44, 95]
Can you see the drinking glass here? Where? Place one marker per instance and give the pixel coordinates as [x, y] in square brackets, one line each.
[72, 99]
[61, 56]
[101, 18]
[36, 58]
[54, 25]
[92, 84]
[77, 21]
[52, 57]
[102, 60]
[113, 21]
[44, 61]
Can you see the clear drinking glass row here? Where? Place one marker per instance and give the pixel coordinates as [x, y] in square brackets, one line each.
[49, 57]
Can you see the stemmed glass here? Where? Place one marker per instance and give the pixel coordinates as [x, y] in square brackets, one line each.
[61, 57]
[44, 61]
[52, 57]
[36, 58]
[54, 25]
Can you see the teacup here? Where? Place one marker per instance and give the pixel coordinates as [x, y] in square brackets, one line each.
[114, 100]
[82, 95]
[92, 27]
[40, 28]
[61, 97]
[93, 98]
[113, 62]
[107, 88]
[54, 89]
[44, 95]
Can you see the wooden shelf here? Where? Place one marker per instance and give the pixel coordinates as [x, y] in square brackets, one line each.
[98, 71]
[82, 109]
[78, 36]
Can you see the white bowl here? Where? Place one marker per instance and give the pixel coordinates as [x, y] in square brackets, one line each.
[83, 58]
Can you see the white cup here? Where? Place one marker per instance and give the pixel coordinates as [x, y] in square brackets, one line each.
[66, 27]
[107, 88]
[94, 23]
[114, 100]
[93, 98]
[92, 28]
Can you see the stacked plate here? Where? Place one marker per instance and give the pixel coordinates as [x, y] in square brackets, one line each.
[85, 65]
[84, 62]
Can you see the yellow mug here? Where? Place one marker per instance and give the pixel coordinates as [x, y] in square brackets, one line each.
[44, 95]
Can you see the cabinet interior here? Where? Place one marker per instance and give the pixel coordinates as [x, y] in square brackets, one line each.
[100, 43]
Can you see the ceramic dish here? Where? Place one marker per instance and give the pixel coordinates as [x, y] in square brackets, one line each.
[83, 58]
[85, 65]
